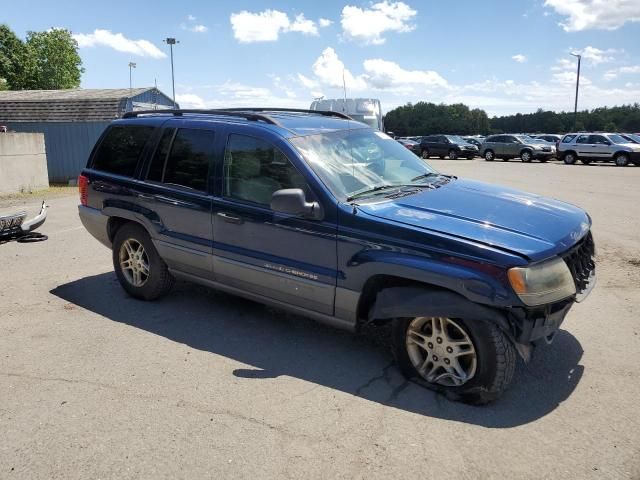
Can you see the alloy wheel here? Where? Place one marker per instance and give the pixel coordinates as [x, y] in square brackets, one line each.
[134, 262]
[441, 351]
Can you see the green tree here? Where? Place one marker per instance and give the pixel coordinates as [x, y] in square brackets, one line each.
[54, 60]
[13, 59]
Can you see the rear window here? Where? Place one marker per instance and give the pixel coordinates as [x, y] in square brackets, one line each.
[121, 148]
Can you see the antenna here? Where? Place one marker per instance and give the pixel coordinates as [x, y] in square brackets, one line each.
[344, 89]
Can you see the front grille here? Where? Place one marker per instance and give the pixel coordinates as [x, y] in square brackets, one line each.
[581, 263]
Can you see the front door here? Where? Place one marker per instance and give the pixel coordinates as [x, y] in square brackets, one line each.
[286, 258]
[176, 191]
[601, 147]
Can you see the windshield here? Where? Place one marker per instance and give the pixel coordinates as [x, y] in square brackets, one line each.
[618, 139]
[352, 161]
[456, 139]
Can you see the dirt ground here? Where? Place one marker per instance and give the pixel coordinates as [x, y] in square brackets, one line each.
[201, 384]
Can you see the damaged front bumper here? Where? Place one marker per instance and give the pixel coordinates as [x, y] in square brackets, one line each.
[16, 225]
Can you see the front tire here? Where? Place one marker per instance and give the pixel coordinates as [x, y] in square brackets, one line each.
[569, 158]
[526, 156]
[138, 266]
[469, 361]
[621, 160]
[425, 153]
[489, 156]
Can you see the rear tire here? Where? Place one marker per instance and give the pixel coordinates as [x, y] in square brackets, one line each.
[621, 160]
[453, 155]
[138, 266]
[487, 378]
[489, 156]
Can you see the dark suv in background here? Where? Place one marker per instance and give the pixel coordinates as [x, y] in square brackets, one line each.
[451, 146]
[325, 217]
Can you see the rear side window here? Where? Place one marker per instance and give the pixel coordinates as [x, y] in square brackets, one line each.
[121, 148]
[568, 138]
[186, 161]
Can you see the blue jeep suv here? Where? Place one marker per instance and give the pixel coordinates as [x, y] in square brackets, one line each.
[321, 215]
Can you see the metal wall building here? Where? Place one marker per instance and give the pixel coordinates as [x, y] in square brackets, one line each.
[72, 120]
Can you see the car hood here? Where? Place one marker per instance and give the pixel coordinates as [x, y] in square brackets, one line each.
[530, 225]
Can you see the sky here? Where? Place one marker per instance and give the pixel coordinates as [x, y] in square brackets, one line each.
[504, 56]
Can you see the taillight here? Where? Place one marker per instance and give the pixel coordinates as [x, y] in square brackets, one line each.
[83, 188]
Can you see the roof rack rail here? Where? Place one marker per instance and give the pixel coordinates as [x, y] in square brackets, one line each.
[230, 113]
[326, 113]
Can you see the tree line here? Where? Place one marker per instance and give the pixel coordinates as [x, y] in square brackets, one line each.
[46, 60]
[425, 118]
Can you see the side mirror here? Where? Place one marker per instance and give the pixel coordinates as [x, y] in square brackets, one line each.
[292, 201]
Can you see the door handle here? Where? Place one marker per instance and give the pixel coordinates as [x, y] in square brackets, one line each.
[229, 218]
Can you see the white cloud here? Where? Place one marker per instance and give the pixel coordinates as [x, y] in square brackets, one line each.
[630, 69]
[324, 22]
[384, 74]
[595, 14]
[563, 64]
[595, 56]
[258, 27]
[307, 82]
[329, 70]
[613, 74]
[190, 100]
[303, 25]
[191, 18]
[266, 26]
[119, 42]
[519, 58]
[369, 25]
[569, 78]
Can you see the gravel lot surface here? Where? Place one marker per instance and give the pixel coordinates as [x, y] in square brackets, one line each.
[201, 384]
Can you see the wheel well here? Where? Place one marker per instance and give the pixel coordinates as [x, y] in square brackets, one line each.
[114, 224]
[620, 152]
[526, 149]
[569, 151]
[380, 282]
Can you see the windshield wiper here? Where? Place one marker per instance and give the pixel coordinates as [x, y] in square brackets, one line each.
[368, 190]
[425, 175]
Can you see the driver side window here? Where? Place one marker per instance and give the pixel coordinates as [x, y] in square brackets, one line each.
[254, 169]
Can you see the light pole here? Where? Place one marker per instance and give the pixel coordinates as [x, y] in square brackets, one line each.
[575, 108]
[132, 65]
[171, 42]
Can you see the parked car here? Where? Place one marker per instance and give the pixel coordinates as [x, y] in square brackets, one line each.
[411, 145]
[452, 146]
[516, 146]
[632, 137]
[309, 212]
[603, 147]
[549, 138]
[474, 141]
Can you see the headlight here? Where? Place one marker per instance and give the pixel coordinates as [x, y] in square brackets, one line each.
[542, 283]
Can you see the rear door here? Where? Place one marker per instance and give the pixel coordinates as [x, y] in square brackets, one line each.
[511, 146]
[497, 145]
[286, 258]
[584, 148]
[176, 190]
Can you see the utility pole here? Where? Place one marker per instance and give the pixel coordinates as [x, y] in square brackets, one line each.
[171, 42]
[132, 65]
[575, 108]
